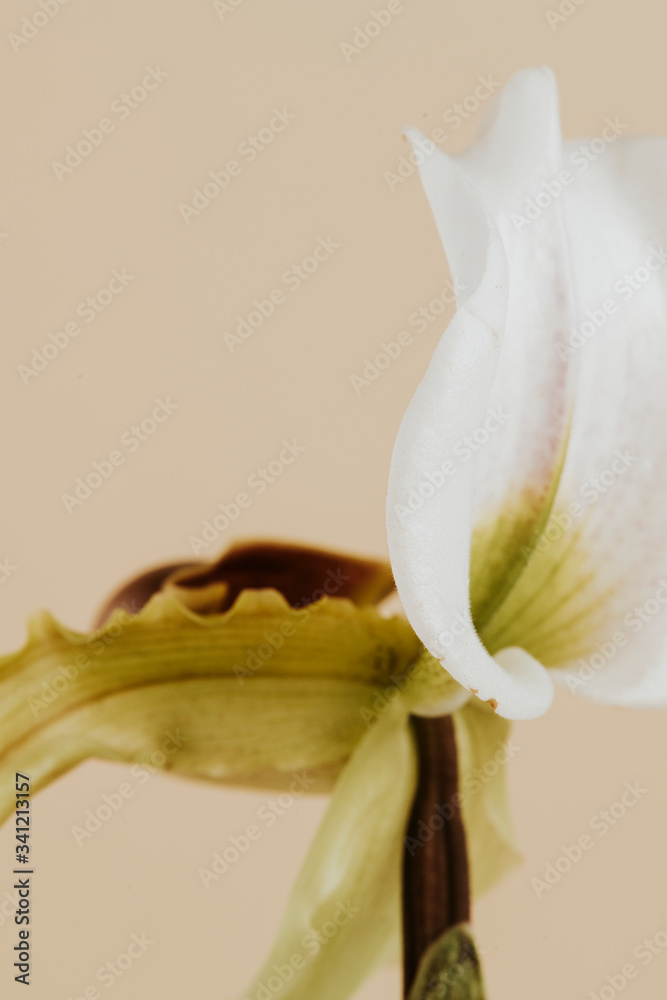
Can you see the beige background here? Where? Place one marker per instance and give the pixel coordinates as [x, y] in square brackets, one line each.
[323, 176]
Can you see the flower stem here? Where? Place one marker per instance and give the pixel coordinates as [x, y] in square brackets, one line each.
[435, 860]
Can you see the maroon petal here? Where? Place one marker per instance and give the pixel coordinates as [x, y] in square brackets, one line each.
[136, 592]
[300, 573]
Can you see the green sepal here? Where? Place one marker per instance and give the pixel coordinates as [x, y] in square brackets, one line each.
[450, 969]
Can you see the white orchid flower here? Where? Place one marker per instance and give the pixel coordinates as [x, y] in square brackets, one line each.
[526, 508]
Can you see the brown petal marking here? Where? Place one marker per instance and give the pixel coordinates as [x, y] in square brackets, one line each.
[136, 592]
[300, 573]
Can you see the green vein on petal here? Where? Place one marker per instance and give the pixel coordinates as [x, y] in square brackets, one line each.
[499, 547]
[551, 612]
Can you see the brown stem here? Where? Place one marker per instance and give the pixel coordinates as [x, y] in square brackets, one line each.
[435, 860]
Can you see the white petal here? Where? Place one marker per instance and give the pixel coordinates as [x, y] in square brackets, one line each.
[471, 382]
[594, 602]
[568, 537]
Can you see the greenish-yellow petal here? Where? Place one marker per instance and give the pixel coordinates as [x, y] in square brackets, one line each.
[251, 694]
[343, 916]
[431, 690]
[484, 750]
